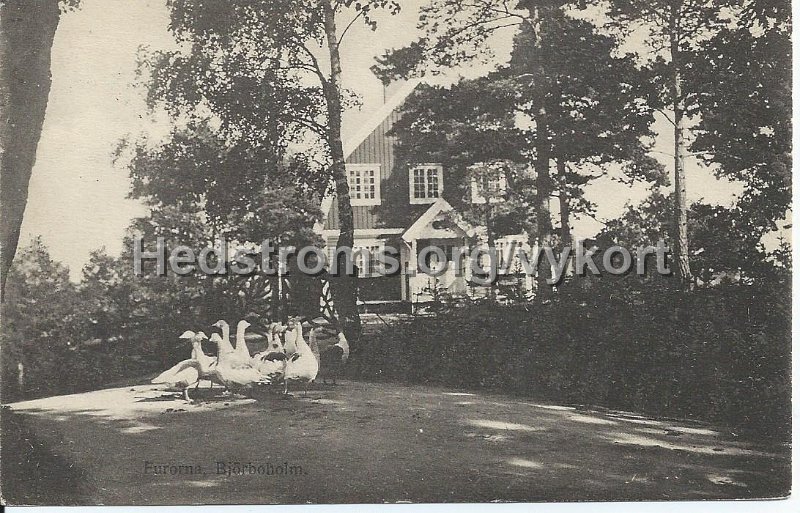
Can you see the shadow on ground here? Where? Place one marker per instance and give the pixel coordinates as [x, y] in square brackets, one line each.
[369, 442]
[31, 472]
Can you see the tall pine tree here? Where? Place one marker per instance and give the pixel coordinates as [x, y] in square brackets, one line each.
[674, 29]
[587, 108]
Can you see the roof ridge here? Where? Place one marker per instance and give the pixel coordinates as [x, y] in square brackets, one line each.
[379, 115]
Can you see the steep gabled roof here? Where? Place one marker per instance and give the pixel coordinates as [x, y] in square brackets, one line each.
[353, 142]
[378, 116]
[441, 205]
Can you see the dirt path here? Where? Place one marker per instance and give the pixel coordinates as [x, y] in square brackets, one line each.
[363, 442]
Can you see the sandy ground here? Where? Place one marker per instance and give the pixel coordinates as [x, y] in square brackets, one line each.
[368, 442]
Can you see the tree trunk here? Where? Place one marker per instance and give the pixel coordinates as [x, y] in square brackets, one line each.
[344, 287]
[490, 241]
[543, 147]
[681, 243]
[544, 187]
[563, 199]
[563, 209]
[27, 29]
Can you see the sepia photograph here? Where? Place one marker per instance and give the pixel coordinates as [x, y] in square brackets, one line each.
[305, 252]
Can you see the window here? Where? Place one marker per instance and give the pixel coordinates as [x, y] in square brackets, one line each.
[493, 185]
[508, 255]
[366, 259]
[425, 183]
[365, 184]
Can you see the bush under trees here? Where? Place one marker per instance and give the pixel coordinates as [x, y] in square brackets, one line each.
[718, 354]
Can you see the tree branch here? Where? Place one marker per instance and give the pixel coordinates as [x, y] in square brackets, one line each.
[314, 67]
[312, 125]
[666, 116]
[341, 37]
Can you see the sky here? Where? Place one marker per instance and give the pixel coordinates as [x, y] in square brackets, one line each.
[77, 201]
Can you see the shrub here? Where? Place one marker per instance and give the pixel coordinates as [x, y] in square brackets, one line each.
[718, 354]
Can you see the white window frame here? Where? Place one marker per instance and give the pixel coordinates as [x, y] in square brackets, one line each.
[361, 169]
[429, 197]
[477, 197]
[374, 247]
[508, 254]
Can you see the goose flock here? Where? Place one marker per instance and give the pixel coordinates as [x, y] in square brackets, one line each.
[288, 358]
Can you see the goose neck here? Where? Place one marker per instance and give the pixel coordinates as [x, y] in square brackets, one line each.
[299, 341]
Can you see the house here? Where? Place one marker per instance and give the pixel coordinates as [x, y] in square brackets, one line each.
[400, 206]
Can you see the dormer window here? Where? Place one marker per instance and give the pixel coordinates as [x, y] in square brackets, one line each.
[491, 185]
[425, 183]
[365, 184]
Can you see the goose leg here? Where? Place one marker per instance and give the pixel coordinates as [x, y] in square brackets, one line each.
[186, 395]
[285, 387]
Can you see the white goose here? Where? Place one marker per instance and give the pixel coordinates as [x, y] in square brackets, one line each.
[301, 366]
[273, 342]
[206, 363]
[230, 373]
[183, 374]
[241, 350]
[289, 346]
[191, 335]
[225, 344]
[271, 363]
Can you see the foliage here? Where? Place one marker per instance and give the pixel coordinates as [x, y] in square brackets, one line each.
[598, 102]
[739, 255]
[41, 315]
[115, 325]
[674, 30]
[719, 355]
[743, 77]
[455, 32]
[597, 107]
[240, 196]
[254, 71]
[587, 107]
